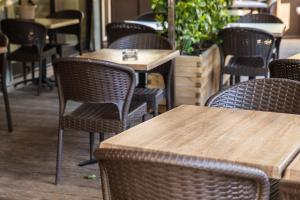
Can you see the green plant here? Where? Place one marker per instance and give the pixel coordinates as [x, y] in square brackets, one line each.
[196, 21]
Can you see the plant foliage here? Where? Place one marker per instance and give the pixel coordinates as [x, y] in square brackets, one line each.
[196, 21]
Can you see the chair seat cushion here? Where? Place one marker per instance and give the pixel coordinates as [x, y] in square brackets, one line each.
[102, 118]
[246, 66]
[27, 53]
[149, 95]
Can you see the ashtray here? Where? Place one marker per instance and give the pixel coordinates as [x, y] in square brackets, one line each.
[130, 54]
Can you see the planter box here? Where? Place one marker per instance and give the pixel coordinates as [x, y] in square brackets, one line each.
[197, 77]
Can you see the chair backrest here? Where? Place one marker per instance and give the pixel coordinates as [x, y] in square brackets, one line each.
[93, 81]
[117, 30]
[141, 41]
[273, 95]
[149, 16]
[69, 14]
[259, 18]
[285, 68]
[24, 32]
[129, 174]
[246, 42]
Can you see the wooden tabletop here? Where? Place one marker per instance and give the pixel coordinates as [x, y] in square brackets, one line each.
[276, 29]
[268, 141]
[51, 23]
[292, 173]
[296, 56]
[155, 25]
[238, 12]
[147, 59]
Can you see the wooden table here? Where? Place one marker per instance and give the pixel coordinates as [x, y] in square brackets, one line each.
[276, 29]
[147, 59]
[292, 173]
[238, 12]
[296, 56]
[268, 141]
[51, 23]
[155, 25]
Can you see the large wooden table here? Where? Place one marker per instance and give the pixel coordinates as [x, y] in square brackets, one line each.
[51, 23]
[296, 56]
[276, 29]
[268, 141]
[147, 59]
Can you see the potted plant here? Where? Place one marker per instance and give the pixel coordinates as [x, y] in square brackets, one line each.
[197, 24]
[26, 9]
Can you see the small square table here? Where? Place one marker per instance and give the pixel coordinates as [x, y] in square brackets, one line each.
[264, 140]
[147, 59]
[51, 23]
[276, 29]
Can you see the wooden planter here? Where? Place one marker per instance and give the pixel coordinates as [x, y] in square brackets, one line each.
[197, 77]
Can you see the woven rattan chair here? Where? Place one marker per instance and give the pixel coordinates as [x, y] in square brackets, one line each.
[135, 175]
[249, 50]
[3, 88]
[69, 30]
[285, 68]
[31, 37]
[273, 95]
[289, 190]
[105, 90]
[150, 41]
[264, 18]
[118, 30]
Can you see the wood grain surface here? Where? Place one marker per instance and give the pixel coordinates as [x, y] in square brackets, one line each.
[276, 29]
[147, 59]
[56, 23]
[268, 141]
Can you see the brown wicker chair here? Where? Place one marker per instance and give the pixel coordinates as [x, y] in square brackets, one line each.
[264, 18]
[3, 88]
[118, 30]
[150, 41]
[70, 30]
[273, 95]
[31, 37]
[104, 90]
[250, 51]
[289, 190]
[133, 175]
[285, 68]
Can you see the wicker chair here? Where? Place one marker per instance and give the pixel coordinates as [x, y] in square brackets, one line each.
[70, 30]
[264, 18]
[289, 190]
[250, 51]
[135, 175]
[150, 41]
[31, 37]
[104, 90]
[3, 88]
[118, 30]
[273, 95]
[285, 68]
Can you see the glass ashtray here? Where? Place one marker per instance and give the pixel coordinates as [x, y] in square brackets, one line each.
[130, 54]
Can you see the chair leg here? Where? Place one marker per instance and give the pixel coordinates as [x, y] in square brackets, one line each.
[221, 82]
[59, 158]
[101, 137]
[24, 73]
[154, 108]
[92, 141]
[40, 77]
[237, 79]
[7, 108]
[32, 70]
